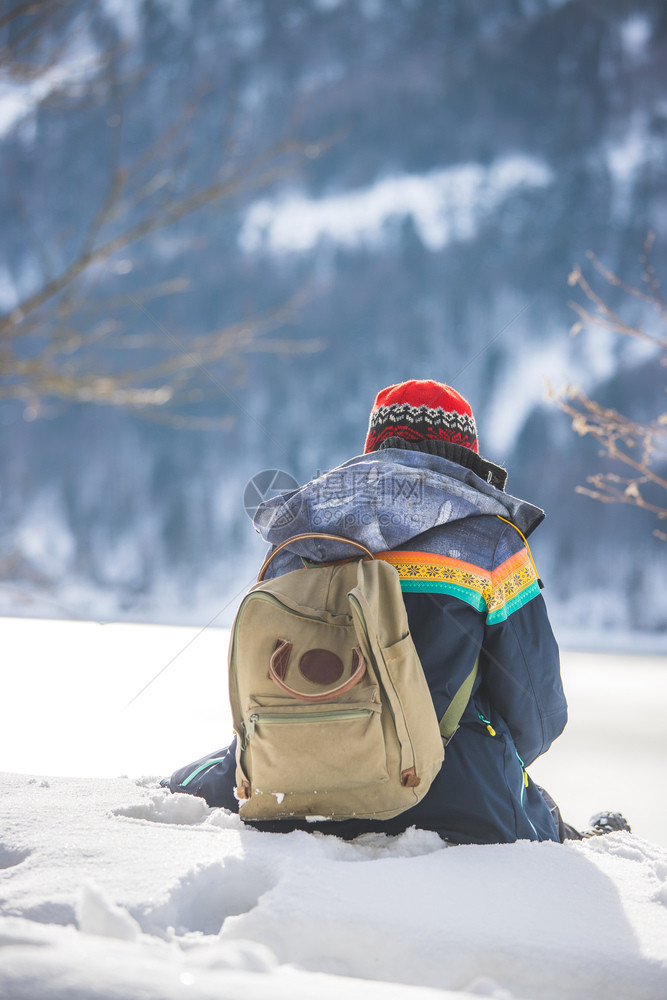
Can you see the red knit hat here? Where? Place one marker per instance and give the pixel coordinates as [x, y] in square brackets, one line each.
[421, 409]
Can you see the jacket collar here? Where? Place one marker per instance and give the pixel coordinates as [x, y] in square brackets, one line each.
[490, 473]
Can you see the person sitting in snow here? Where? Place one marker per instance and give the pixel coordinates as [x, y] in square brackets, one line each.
[471, 590]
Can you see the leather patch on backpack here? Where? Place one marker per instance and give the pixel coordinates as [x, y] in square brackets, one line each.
[321, 666]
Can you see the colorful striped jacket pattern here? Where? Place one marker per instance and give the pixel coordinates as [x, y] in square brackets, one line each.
[496, 593]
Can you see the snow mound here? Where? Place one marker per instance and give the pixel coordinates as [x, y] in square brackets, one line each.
[97, 914]
[163, 807]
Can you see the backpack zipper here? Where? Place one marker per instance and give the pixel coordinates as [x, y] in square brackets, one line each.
[272, 599]
[281, 718]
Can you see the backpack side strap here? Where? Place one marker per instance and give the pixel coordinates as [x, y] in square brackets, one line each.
[449, 723]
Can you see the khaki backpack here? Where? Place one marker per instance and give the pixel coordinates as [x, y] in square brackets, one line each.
[332, 711]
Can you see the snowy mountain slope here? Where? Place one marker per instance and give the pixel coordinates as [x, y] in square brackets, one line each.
[478, 154]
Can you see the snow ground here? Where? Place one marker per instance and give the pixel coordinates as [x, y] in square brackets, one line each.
[69, 718]
[112, 889]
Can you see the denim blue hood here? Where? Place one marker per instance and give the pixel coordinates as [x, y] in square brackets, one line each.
[382, 500]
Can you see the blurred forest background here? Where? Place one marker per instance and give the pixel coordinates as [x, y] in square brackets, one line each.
[227, 223]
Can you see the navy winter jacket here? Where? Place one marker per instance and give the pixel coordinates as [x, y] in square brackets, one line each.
[439, 514]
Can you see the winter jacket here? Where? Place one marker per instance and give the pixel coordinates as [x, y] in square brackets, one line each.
[439, 513]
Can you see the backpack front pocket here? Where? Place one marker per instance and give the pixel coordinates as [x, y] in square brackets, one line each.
[318, 748]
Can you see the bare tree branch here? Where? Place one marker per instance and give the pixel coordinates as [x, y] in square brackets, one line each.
[52, 341]
[639, 446]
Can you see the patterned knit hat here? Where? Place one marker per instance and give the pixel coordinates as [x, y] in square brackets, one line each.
[421, 409]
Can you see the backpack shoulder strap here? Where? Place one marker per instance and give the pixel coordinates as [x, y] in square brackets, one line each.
[449, 723]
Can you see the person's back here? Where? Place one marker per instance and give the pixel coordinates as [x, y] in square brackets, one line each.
[421, 498]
